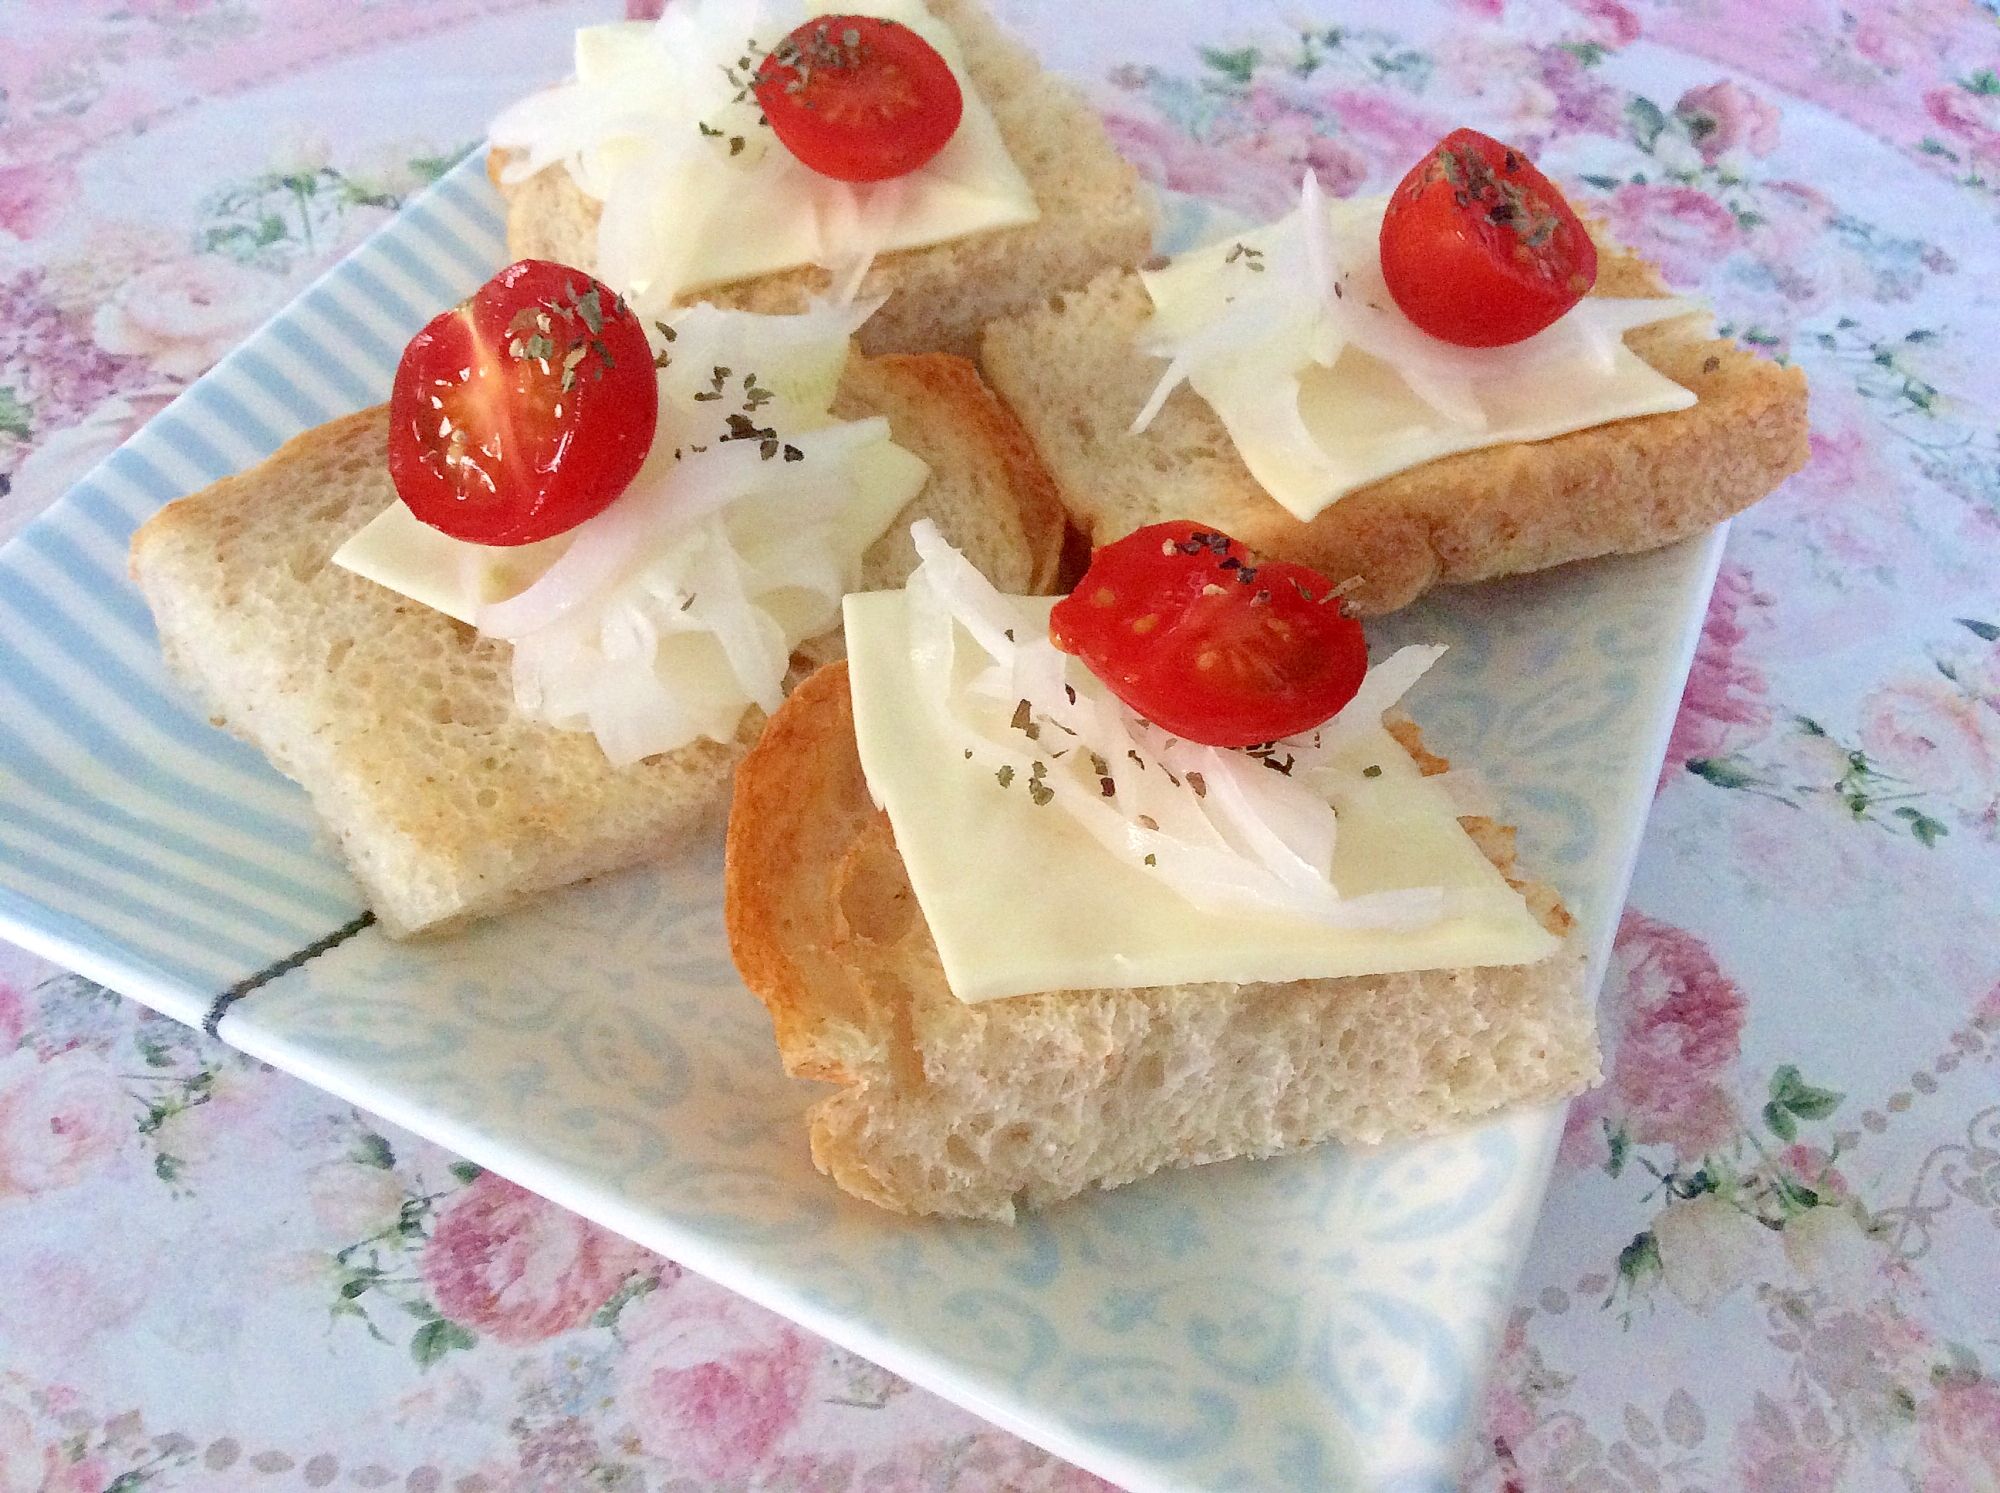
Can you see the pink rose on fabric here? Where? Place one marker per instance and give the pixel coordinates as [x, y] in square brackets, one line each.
[1505, 76]
[1708, 1248]
[712, 1380]
[41, 1450]
[58, 1120]
[1906, 34]
[1612, 24]
[1867, 1362]
[21, 1451]
[1256, 170]
[1722, 691]
[1583, 1140]
[1812, 1167]
[1683, 231]
[1680, 1030]
[1776, 1455]
[1394, 135]
[30, 195]
[1724, 116]
[1958, 1439]
[1971, 118]
[1930, 733]
[183, 315]
[1510, 1418]
[62, 458]
[13, 1016]
[1584, 106]
[517, 1267]
[1847, 494]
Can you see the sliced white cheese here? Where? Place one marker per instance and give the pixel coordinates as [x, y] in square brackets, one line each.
[1020, 898]
[399, 550]
[1324, 392]
[697, 192]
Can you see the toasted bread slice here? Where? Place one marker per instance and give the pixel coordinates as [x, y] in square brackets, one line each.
[1094, 214]
[1071, 371]
[400, 722]
[973, 1111]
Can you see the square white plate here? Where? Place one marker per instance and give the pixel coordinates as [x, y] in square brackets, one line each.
[1316, 1321]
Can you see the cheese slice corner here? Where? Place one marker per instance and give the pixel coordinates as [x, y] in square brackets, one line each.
[1021, 900]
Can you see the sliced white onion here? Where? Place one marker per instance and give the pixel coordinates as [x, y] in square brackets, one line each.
[1317, 289]
[667, 496]
[1247, 840]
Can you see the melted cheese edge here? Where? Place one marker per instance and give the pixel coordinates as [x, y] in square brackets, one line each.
[1020, 899]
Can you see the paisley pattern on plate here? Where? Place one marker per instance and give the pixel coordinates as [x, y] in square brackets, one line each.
[165, 850]
[1277, 1322]
[1294, 1323]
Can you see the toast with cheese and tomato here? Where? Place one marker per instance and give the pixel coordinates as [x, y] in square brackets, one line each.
[1322, 421]
[671, 166]
[318, 618]
[1162, 954]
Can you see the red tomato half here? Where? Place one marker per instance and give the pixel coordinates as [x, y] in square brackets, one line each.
[1479, 248]
[524, 410]
[1184, 629]
[859, 99]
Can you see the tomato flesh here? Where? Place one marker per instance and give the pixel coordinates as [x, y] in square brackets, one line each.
[523, 410]
[1479, 248]
[859, 99]
[1182, 627]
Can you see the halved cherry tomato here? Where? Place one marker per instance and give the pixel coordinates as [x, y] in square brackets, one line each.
[524, 410]
[1479, 248]
[1184, 629]
[859, 99]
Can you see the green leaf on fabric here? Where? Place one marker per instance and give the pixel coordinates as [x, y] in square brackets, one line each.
[1926, 829]
[630, 1290]
[1237, 66]
[1646, 121]
[374, 1150]
[1640, 1259]
[16, 418]
[1985, 630]
[1722, 772]
[433, 1340]
[1795, 1097]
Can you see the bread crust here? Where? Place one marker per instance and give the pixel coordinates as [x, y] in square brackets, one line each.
[1072, 374]
[399, 721]
[1094, 213]
[966, 1111]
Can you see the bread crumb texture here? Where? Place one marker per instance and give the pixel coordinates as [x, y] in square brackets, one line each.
[399, 721]
[1094, 213]
[978, 1111]
[1069, 369]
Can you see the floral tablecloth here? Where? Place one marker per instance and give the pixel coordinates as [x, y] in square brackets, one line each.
[1768, 1259]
